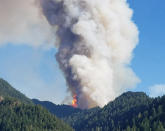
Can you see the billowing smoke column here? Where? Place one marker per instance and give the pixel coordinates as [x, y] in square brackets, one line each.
[95, 40]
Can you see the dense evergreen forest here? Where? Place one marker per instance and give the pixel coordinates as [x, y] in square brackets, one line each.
[132, 111]
[6, 90]
[59, 110]
[129, 112]
[17, 113]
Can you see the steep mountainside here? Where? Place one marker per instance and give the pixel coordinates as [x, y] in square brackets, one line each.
[129, 112]
[16, 116]
[115, 114]
[18, 113]
[6, 90]
[132, 111]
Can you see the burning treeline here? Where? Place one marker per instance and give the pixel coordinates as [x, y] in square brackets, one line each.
[74, 101]
[95, 41]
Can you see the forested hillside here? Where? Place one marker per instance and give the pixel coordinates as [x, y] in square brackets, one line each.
[59, 110]
[16, 116]
[132, 111]
[18, 113]
[6, 90]
[129, 112]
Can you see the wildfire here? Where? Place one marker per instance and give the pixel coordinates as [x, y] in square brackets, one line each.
[74, 101]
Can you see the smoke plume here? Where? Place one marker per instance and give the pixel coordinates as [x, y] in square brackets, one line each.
[95, 41]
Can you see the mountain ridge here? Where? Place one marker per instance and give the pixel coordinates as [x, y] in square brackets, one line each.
[6, 90]
[59, 110]
[131, 111]
[128, 112]
[18, 113]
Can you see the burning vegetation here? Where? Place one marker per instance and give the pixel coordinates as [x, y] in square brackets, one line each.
[74, 101]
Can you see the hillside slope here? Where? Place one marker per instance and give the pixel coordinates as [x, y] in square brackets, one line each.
[132, 111]
[59, 110]
[16, 116]
[112, 116]
[6, 90]
[18, 113]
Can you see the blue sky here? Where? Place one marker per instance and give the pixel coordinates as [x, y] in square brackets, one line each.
[35, 72]
[148, 62]
[32, 71]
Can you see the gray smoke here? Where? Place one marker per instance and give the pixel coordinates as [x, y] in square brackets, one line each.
[95, 41]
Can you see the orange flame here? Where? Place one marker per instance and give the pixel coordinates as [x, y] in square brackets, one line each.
[74, 101]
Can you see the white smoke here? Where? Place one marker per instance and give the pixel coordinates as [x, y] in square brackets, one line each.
[22, 23]
[96, 41]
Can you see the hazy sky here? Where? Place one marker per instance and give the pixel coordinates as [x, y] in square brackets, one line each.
[35, 72]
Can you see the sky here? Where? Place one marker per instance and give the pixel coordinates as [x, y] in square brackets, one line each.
[148, 62]
[35, 72]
